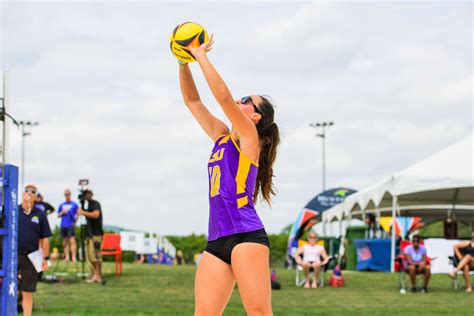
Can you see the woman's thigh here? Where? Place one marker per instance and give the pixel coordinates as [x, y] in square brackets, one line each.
[471, 262]
[250, 263]
[213, 285]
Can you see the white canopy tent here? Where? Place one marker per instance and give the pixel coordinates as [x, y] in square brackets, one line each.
[441, 183]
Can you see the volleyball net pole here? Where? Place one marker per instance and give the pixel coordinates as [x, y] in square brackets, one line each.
[8, 216]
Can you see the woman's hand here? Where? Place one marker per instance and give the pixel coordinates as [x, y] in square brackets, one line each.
[203, 49]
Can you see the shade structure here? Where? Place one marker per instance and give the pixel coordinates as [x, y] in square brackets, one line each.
[441, 183]
[428, 188]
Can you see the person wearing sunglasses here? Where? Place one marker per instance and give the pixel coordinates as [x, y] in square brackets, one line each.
[417, 263]
[33, 233]
[240, 169]
[309, 257]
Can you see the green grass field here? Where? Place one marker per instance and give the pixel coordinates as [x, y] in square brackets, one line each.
[168, 290]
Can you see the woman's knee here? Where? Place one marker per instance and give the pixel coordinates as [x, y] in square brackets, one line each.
[205, 310]
[257, 308]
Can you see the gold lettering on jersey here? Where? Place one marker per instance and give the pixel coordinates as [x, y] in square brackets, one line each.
[215, 178]
[218, 155]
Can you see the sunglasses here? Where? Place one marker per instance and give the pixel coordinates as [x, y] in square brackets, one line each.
[67, 194]
[30, 191]
[312, 237]
[247, 99]
[416, 240]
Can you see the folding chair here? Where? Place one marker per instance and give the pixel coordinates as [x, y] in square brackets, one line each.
[299, 269]
[111, 247]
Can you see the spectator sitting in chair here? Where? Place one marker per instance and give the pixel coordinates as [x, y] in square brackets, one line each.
[465, 263]
[312, 254]
[417, 263]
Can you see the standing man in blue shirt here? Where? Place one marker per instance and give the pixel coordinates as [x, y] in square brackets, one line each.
[67, 211]
[33, 233]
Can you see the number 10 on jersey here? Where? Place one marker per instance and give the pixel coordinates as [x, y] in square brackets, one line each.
[215, 178]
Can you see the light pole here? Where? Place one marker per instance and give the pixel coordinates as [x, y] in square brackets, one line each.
[323, 126]
[24, 132]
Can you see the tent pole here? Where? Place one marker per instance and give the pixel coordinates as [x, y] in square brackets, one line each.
[377, 222]
[340, 227]
[394, 215]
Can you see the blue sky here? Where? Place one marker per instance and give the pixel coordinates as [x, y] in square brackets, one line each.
[395, 77]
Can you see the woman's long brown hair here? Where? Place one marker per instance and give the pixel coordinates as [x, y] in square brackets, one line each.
[269, 137]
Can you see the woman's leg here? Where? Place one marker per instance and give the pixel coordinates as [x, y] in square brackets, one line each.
[213, 285]
[317, 269]
[250, 263]
[464, 261]
[467, 278]
[306, 267]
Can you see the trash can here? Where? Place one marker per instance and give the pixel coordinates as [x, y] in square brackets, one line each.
[353, 233]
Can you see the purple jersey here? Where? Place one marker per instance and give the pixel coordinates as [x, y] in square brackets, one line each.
[232, 178]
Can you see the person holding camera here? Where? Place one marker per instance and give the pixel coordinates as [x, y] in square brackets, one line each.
[33, 233]
[94, 233]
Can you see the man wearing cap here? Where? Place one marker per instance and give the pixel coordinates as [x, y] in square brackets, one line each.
[67, 211]
[33, 233]
[94, 232]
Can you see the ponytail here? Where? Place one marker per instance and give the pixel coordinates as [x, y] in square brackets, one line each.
[269, 137]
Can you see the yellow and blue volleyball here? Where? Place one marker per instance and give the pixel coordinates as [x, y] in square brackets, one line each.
[185, 35]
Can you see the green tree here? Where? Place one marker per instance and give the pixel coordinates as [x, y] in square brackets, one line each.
[190, 245]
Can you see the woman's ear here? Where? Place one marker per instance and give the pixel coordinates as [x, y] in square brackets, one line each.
[256, 117]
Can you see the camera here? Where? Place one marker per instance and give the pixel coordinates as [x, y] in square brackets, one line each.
[83, 183]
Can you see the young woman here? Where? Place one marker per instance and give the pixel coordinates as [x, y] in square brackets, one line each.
[240, 168]
[466, 262]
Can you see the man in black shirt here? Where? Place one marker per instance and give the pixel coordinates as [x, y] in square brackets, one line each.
[33, 233]
[94, 233]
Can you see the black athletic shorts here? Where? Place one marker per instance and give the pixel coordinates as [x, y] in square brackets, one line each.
[68, 232]
[29, 275]
[222, 247]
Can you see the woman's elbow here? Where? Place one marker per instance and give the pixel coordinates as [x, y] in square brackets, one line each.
[224, 98]
[191, 103]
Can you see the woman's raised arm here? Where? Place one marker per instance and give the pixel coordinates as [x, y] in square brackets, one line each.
[208, 122]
